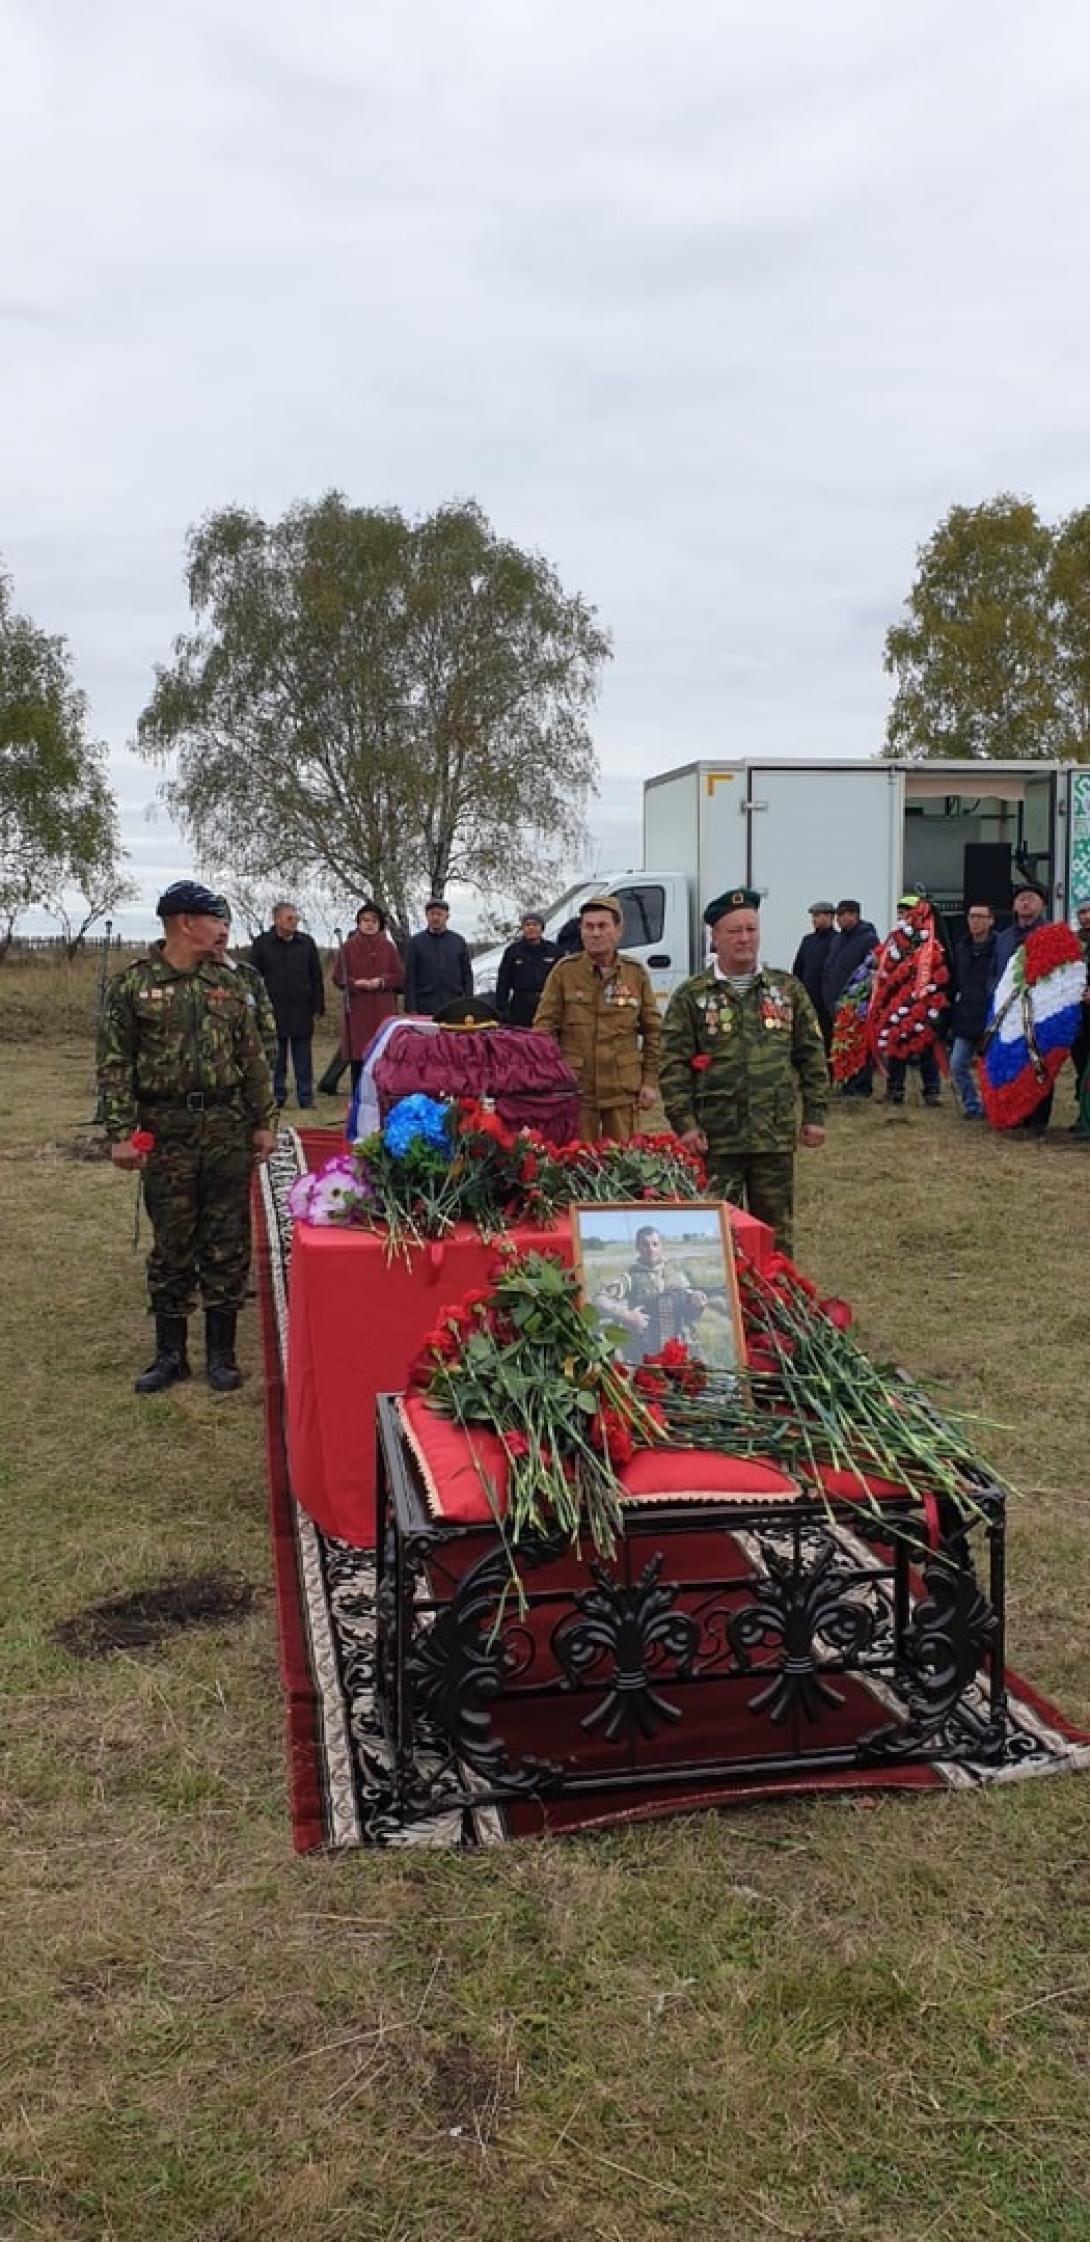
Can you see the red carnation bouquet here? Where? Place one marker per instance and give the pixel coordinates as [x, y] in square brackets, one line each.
[525, 1361]
[468, 1166]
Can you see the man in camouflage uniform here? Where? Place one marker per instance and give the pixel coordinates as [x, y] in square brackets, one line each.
[180, 1056]
[739, 1042]
[601, 1010]
[653, 1301]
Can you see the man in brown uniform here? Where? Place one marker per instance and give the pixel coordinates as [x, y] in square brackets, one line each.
[601, 1010]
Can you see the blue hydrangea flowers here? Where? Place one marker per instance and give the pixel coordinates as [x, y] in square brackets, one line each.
[417, 1120]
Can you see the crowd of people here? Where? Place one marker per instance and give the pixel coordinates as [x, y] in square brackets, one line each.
[841, 963]
[195, 1047]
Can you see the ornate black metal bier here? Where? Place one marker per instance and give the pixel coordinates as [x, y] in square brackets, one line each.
[717, 1647]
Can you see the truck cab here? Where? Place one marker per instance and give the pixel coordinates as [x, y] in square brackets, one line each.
[656, 930]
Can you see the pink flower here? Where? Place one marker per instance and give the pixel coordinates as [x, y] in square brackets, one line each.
[299, 1197]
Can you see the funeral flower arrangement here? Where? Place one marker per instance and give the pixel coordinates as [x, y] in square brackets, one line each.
[848, 1055]
[438, 1162]
[526, 1361]
[909, 994]
[1036, 1013]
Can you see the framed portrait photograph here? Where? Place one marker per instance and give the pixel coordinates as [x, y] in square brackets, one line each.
[656, 1271]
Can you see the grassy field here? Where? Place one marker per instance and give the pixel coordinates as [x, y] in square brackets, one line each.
[849, 2020]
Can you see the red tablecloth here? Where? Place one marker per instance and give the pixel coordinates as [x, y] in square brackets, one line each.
[355, 1321]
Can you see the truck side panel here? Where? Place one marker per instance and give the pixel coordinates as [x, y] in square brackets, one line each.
[816, 835]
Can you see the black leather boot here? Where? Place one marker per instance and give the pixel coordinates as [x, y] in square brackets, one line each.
[219, 1350]
[171, 1361]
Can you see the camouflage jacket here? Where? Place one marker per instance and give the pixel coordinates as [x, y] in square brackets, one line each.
[166, 1033]
[260, 1003]
[607, 1026]
[754, 1053]
[663, 1295]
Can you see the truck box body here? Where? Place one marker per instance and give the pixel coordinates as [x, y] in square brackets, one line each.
[801, 832]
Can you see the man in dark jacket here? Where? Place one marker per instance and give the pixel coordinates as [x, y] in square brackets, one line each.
[438, 967]
[854, 940]
[972, 977]
[524, 969]
[1030, 912]
[291, 969]
[810, 961]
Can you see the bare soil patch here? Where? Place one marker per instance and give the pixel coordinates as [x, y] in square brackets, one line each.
[148, 1615]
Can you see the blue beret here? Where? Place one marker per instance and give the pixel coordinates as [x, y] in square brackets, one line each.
[190, 896]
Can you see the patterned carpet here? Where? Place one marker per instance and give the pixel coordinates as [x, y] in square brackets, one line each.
[339, 1762]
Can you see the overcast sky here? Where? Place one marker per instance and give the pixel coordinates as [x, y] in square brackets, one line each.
[720, 305]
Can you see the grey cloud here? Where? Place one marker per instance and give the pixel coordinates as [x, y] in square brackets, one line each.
[719, 307]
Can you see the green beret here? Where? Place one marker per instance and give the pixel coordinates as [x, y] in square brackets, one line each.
[733, 899]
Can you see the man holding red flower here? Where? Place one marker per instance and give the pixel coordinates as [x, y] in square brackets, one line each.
[187, 1098]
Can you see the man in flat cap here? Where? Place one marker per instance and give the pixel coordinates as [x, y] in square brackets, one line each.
[811, 959]
[601, 1009]
[740, 1041]
[290, 965]
[180, 1058]
[524, 969]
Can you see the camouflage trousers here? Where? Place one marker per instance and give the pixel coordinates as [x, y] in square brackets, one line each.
[197, 1193]
[763, 1182]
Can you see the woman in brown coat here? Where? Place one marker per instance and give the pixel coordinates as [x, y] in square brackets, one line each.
[371, 970]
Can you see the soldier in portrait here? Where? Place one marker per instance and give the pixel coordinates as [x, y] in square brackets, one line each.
[741, 1047]
[654, 1300]
[181, 1061]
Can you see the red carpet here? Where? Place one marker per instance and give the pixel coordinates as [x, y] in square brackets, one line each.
[340, 1792]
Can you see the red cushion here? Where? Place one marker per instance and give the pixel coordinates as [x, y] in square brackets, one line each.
[456, 1467]
[847, 1483]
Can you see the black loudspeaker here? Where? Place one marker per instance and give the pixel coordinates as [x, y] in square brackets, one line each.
[987, 873]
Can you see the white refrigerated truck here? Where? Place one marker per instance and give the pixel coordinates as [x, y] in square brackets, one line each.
[800, 831]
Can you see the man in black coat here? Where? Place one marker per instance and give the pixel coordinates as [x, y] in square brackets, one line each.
[974, 959]
[853, 941]
[524, 969]
[438, 967]
[810, 960]
[291, 969]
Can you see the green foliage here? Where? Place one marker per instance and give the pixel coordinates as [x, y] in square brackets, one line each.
[58, 818]
[993, 659]
[379, 705]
